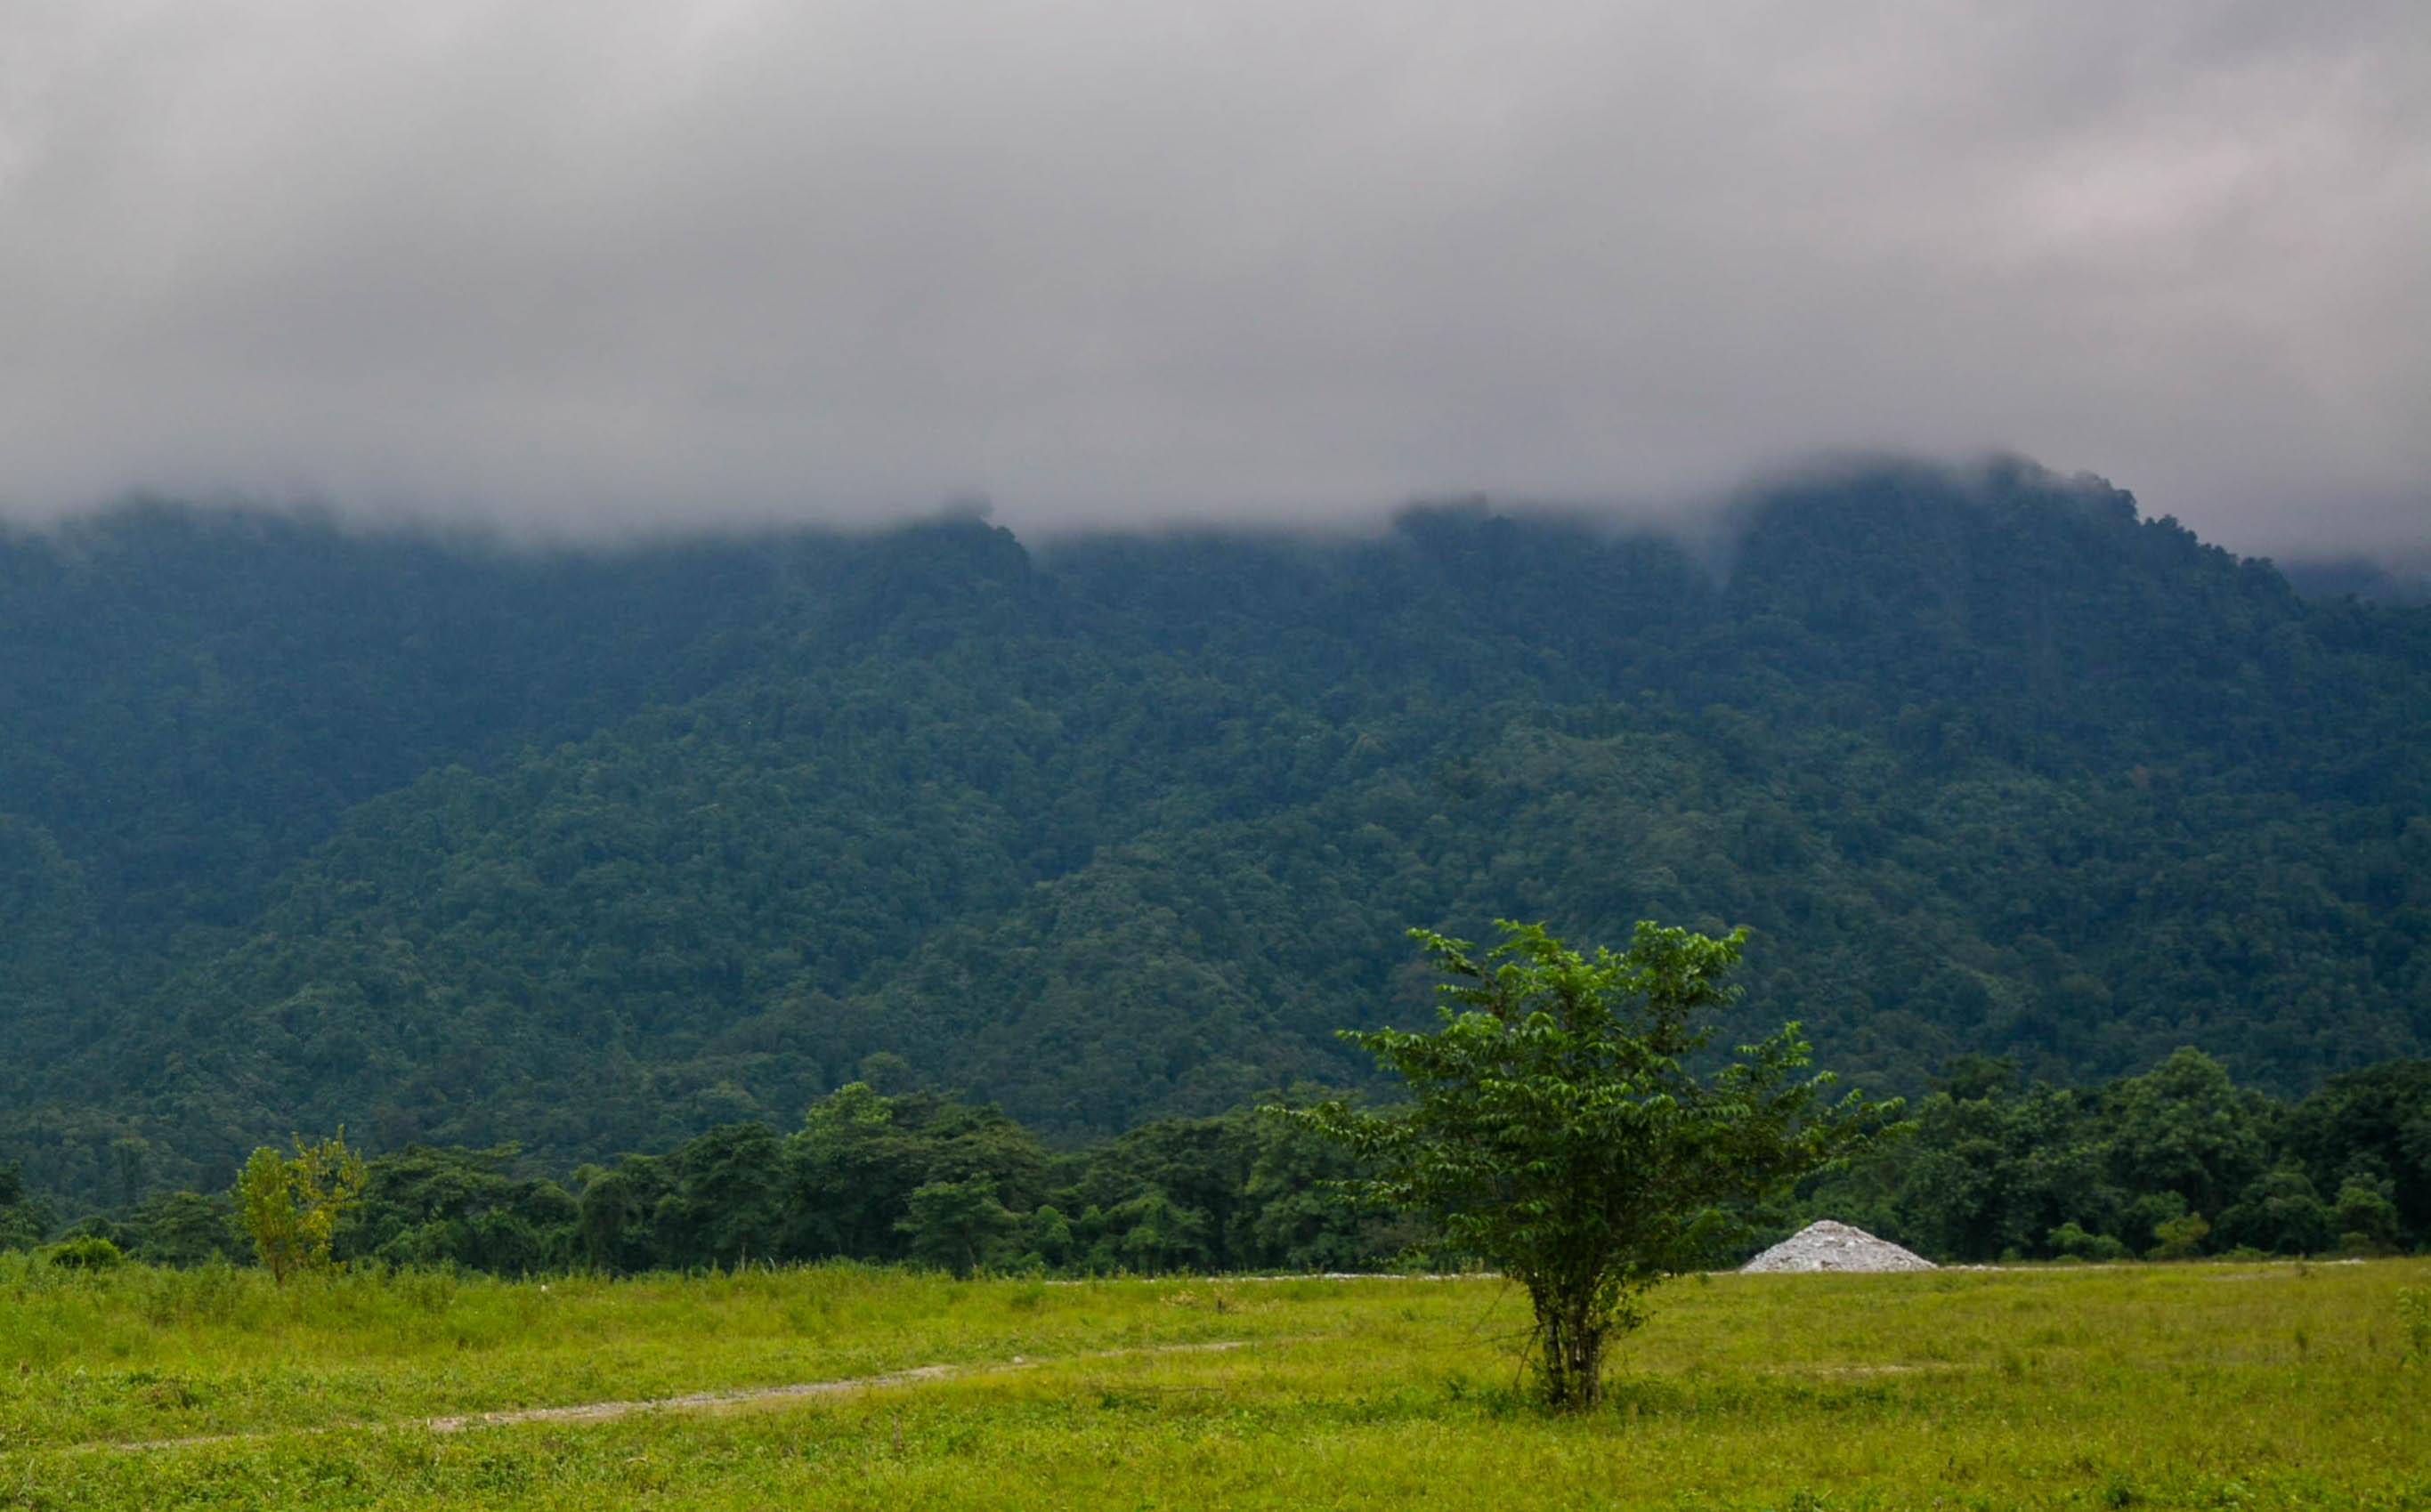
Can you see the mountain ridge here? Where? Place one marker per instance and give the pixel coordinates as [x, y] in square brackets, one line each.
[592, 851]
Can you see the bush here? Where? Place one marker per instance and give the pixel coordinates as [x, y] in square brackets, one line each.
[2071, 1242]
[2181, 1239]
[2367, 1216]
[87, 1252]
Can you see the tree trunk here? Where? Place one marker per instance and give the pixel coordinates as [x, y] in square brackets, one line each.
[1570, 1339]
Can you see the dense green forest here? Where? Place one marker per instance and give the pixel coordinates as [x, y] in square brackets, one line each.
[592, 851]
[2176, 1162]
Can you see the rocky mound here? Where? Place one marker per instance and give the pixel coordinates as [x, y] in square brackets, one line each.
[1829, 1246]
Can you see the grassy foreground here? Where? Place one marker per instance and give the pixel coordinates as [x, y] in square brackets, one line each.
[2193, 1386]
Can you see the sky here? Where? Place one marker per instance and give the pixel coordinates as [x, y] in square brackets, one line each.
[588, 265]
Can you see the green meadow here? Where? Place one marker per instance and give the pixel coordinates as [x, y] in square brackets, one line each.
[2195, 1386]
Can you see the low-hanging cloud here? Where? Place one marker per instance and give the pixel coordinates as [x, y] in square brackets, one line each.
[570, 263]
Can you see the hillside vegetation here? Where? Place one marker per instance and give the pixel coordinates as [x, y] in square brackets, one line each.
[594, 851]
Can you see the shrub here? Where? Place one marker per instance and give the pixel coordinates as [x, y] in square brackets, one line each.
[2181, 1239]
[2071, 1242]
[86, 1252]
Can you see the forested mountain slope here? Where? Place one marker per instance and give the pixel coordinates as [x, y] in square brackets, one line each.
[593, 851]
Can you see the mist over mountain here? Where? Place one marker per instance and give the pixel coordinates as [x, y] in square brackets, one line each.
[567, 267]
[591, 850]
[2401, 578]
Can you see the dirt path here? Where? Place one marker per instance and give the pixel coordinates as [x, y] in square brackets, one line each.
[688, 1402]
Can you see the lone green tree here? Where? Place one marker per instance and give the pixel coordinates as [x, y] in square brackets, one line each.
[1556, 1131]
[289, 1204]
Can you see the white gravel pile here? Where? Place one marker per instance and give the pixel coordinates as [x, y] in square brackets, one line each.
[1829, 1246]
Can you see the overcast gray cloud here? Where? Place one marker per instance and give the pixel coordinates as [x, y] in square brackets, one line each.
[585, 260]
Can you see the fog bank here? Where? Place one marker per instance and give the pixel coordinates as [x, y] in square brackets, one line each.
[565, 267]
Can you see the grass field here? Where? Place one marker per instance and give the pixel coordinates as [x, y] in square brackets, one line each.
[2123, 1387]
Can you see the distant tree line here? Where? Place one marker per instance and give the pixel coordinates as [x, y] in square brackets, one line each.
[917, 1177]
[2174, 1163]
[2177, 1162]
